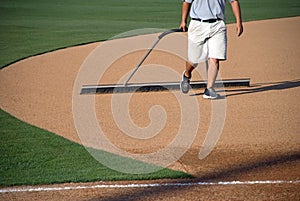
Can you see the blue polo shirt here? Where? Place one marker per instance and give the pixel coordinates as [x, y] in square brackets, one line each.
[208, 9]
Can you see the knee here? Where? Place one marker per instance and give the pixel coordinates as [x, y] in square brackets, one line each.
[216, 62]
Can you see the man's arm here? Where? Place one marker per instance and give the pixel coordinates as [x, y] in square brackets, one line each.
[237, 13]
[185, 12]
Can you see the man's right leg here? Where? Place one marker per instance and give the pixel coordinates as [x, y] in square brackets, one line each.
[197, 50]
[188, 69]
[186, 78]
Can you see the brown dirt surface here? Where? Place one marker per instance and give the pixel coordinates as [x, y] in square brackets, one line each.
[260, 139]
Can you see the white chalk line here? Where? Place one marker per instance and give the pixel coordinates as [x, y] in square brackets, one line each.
[66, 188]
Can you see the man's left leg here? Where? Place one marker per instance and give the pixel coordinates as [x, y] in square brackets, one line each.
[217, 46]
[212, 74]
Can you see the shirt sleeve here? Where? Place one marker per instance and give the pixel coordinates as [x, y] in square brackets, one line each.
[188, 1]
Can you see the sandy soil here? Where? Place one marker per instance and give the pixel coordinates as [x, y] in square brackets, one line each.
[260, 139]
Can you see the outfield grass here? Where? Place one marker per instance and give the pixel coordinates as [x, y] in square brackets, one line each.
[34, 156]
[35, 26]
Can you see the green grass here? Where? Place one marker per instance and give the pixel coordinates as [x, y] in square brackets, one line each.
[33, 156]
[30, 155]
[35, 26]
[268, 9]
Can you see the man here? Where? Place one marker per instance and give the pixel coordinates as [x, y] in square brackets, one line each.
[207, 40]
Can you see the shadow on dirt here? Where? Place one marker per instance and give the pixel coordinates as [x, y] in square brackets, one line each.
[259, 87]
[262, 87]
[229, 173]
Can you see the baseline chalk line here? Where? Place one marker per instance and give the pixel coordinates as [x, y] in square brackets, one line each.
[65, 188]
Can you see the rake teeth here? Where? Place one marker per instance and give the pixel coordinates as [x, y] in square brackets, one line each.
[159, 86]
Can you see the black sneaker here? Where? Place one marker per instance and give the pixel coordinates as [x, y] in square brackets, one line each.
[185, 84]
[210, 93]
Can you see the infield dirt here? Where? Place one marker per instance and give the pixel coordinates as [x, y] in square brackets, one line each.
[260, 139]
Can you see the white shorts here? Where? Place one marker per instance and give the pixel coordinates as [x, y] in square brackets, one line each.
[206, 40]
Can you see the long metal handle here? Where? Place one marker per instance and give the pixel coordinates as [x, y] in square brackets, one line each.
[149, 51]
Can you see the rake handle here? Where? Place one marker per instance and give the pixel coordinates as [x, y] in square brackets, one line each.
[149, 51]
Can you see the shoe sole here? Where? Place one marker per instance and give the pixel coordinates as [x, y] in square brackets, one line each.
[185, 92]
[209, 97]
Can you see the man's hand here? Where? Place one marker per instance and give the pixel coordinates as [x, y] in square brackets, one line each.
[237, 13]
[185, 12]
[183, 27]
[239, 29]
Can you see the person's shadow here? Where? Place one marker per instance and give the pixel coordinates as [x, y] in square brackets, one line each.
[257, 88]
[262, 87]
